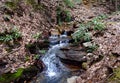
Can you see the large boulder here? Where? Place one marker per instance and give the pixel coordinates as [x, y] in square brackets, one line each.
[72, 57]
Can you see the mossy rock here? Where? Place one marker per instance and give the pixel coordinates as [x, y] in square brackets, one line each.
[20, 76]
[8, 77]
[85, 65]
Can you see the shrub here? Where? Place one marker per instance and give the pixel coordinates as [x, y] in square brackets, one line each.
[82, 34]
[97, 24]
[63, 16]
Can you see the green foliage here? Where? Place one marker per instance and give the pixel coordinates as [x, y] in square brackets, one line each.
[12, 35]
[101, 17]
[115, 78]
[82, 34]
[98, 26]
[63, 15]
[69, 3]
[7, 78]
[87, 36]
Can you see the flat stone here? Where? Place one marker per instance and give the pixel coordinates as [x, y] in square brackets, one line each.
[72, 57]
[87, 44]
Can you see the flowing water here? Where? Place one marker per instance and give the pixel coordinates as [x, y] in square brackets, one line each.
[55, 71]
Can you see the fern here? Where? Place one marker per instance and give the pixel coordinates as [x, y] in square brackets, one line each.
[12, 35]
[98, 25]
[82, 34]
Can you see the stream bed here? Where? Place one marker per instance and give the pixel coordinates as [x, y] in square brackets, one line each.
[55, 71]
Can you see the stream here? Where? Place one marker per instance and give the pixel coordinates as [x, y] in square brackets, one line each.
[56, 71]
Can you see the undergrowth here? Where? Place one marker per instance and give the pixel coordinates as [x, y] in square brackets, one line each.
[11, 35]
[63, 15]
[83, 32]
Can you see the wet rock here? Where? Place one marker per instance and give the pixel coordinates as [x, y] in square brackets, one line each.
[72, 79]
[72, 57]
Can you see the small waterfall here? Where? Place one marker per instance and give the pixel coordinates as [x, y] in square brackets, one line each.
[54, 68]
[50, 59]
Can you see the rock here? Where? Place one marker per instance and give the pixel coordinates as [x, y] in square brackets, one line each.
[54, 32]
[35, 46]
[72, 79]
[72, 57]
[85, 65]
[87, 44]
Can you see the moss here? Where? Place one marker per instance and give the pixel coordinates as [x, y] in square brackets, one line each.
[8, 77]
[85, 65]
[20, 76]
[115, 78]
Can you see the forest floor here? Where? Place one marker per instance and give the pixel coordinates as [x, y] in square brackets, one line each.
[35, 28]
